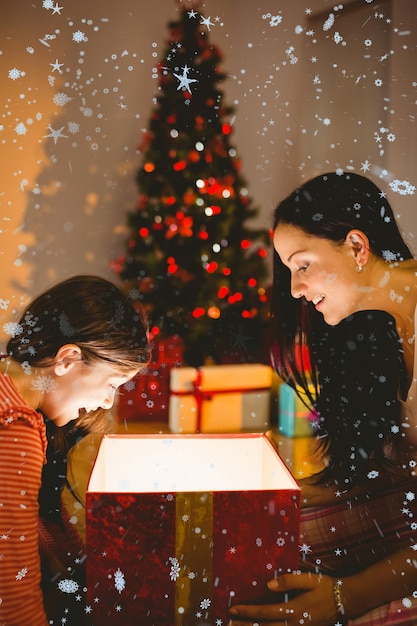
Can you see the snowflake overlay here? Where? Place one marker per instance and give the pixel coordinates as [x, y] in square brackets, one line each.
[44, 383]
[175, 568]
[68, 586]
[119, 580]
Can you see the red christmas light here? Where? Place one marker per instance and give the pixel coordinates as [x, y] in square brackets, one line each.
[211, 267]
[193, 156]
[252, 282]
[172, 268]
[169, 200]
[226, 129]
[245, 244]
[143, 232]
[262, 253]
[213, 188]
[117, 264]
[227, 271]
[236, 297]
[180, 165]
[198, 312]
[180, 224]
[149, 167]
[222, 292]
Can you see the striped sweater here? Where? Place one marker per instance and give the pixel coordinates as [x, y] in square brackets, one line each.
[22, 455]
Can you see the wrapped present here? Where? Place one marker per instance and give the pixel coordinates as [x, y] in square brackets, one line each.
[294, 418]
[220, 398]
[180, 527]
[146, 396]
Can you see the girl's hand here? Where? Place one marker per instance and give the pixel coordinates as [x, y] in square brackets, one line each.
[313, 603]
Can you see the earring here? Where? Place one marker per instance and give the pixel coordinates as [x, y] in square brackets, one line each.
[359, 268]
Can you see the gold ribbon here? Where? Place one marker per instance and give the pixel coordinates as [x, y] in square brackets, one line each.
[194, 551]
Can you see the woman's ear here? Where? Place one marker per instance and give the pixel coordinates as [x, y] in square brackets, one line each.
[359, 245]
[66, 357]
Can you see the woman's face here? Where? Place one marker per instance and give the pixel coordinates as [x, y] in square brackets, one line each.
[79, 388]
[322, 272]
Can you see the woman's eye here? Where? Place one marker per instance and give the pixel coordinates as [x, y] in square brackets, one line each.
[303, 268]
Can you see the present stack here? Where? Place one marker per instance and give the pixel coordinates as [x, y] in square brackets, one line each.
[146, 397]
[295, 417]
[220, 398]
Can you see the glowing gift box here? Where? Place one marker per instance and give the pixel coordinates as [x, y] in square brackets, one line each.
[181, 527]
[220, 398]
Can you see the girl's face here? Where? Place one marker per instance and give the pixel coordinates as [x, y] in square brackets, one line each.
[322, 272]
[80, 387]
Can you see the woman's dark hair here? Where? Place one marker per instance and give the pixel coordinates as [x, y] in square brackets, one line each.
[329, 206]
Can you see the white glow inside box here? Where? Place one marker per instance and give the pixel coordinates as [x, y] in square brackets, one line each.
[165, 463]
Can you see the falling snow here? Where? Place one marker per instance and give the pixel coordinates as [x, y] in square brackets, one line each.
[79, 36]
[119, 580]
[14, 73]
[61, 99]
[204, 604]
[175, 568]
[45, 384]
[13, 328]
[22, 573]
[21, 129]
[402, 187]
[68, 586]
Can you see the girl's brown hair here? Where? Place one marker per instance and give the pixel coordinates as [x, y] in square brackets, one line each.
[90, 312]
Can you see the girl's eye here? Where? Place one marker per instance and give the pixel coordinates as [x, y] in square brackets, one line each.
[303, 268]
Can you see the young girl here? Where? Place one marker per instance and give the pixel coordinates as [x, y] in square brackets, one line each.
[345, 290]
[73, 347]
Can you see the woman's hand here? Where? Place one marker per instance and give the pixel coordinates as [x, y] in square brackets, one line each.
[313, 603]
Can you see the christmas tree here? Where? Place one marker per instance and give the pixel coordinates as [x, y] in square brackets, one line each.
[191, 259]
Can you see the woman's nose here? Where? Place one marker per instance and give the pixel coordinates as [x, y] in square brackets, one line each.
[297, 287]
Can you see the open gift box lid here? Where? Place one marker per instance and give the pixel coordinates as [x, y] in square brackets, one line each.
[195, 462]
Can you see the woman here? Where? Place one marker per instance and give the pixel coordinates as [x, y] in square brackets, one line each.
[73, 347]
[345, 290]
